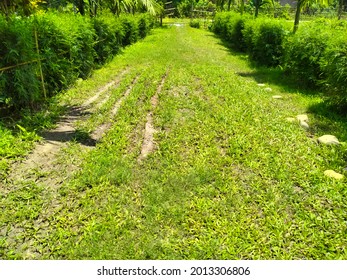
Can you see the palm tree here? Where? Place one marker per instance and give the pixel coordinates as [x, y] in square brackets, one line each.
[258, 3]
[118, 6]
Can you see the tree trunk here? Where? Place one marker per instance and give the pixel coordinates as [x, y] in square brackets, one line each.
[256, 11]
[297, 16]
[242, 6]
[339, 13]
[229, 4]
[80, 7]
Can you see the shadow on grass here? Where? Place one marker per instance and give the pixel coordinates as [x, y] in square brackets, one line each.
[330, 119]
[78, 136]
[65, 131]
[42, 120]
[263, 74]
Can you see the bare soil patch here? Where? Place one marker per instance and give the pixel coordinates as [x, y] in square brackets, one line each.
[148, 144]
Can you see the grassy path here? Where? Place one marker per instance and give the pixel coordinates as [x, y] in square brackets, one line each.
[192, 160]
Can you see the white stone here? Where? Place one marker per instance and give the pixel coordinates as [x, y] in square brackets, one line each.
[333, 174]
[261, 85]
[328, 140]
[302, 118]
[304, 125]
[268, 89]
[277, 97]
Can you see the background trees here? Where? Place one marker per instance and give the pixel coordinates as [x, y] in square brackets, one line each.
[83, 7]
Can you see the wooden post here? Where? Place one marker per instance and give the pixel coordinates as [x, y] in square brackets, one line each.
[40, 65]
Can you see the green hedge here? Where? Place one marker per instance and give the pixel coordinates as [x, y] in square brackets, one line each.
[18, 85]
[264, 40]
[70, 47]
[262, 37]
[316, 55]
[230, 26]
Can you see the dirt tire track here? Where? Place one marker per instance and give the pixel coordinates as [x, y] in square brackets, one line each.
[148, 144]
[44, 154]
[44, 159]
[104, 89]
[101, 130]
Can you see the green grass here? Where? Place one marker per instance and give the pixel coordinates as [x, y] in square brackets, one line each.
[230, 178]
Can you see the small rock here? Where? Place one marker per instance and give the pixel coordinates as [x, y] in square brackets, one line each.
[261, 85]
[304, 125]
[333, 174]
[292, 120]
[328, 140]
[277, 97]
[268, 89]
[302, 118]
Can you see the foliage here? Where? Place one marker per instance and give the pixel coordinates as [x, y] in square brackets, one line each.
[195, 23]
[192, 8]
[334, 65]
[109, 37]
[257, 4]
[66, 47]
[315, 56]
[70, 47]
[83, 7]
[230, 26]
[304, 4]
[304, 51]
[282, 11]
[19, 7]
[131, 31]
[19, 86]
[145, 24]
[262, 38]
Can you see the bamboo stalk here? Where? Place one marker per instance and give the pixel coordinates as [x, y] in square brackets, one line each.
[40, 66]
[20, 64]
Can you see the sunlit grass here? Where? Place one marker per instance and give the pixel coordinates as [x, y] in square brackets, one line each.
[230, 178]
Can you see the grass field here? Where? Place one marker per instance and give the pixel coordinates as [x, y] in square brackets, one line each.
[221, 173]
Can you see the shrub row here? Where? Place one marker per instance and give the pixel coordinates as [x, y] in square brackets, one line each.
[262, 38]
[70, 47]
[316, 55]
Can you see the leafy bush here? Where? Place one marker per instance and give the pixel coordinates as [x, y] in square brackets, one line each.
[109, 36]
[19, 85]
[230, 25]
[261, 38]
[195, 23]
[70, 46]
[130, 28]
[64, 54]
[334, 66]
[264, 40]
[220, 23]
[304, 51]
[145, 24]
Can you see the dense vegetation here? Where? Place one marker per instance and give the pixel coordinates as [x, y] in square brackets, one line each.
[315, 55]
[69, 47]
